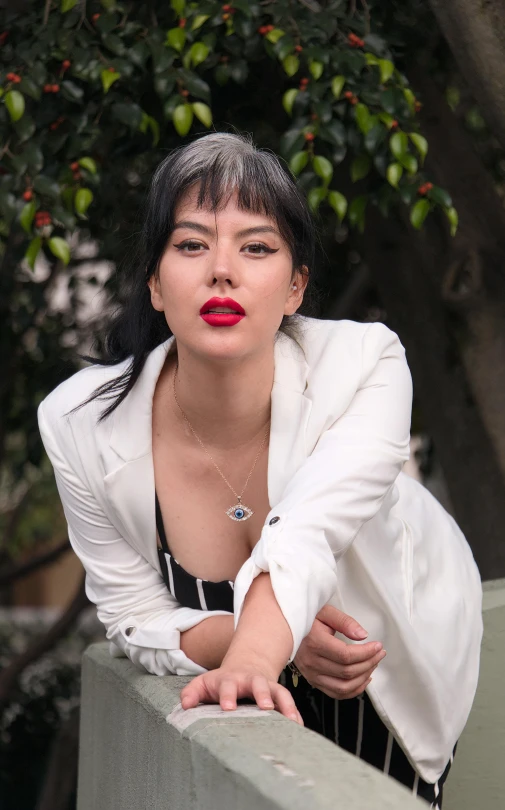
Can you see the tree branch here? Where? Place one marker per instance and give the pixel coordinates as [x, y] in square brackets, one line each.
[11, 673]
[17, 570]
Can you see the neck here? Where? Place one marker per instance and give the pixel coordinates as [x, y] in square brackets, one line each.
[227, 404]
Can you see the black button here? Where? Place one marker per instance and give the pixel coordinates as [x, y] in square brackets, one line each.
[273, 520]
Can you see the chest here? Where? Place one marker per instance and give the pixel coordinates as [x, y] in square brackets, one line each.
[194, 499]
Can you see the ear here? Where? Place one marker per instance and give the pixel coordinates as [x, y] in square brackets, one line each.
[156, 297]
[296, 291]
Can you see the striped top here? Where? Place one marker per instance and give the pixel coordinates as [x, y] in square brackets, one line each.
[190, 591]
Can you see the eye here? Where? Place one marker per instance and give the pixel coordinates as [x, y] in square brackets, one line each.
[262, 247]
[188, 244]
[239, 512]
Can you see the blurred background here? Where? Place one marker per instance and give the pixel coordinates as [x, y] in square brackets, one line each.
[390, 114]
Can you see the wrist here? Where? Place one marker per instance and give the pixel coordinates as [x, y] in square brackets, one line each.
[239, 657]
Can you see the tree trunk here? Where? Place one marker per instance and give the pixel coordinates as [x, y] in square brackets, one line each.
[475, 31]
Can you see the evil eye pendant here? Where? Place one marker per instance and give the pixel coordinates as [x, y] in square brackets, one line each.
[239, 512]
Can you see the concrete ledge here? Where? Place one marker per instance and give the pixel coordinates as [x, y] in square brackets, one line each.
[133, 758]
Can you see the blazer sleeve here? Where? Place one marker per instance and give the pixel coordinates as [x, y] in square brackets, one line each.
[139, 614]
[339, 487]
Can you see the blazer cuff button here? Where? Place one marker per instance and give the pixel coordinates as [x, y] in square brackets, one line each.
[129, 631]
[273, 520]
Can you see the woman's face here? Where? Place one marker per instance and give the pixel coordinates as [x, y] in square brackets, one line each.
[230, 254]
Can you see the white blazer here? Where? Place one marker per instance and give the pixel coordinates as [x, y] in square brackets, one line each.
[354, 531]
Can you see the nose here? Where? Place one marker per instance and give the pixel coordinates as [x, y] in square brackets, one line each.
[222, 268]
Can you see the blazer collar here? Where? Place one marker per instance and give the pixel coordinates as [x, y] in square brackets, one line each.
[131, 434]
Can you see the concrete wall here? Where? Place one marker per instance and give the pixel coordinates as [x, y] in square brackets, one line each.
[138, 752]
[477, 777]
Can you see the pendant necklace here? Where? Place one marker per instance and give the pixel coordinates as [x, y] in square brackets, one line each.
[238, 511]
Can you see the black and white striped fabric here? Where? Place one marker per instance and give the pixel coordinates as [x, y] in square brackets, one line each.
[352, 724]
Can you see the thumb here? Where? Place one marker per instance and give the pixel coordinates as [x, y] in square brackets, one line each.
[341, 622]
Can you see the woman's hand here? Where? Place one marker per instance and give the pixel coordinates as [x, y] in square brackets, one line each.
[240, 678]
[338, 669]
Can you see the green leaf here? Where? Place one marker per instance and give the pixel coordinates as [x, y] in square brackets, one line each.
[203, 113]
[89, 164]
[409, 163]
[108, 78]
[419, 212]
[129, 114]
[155, 129]
[27, 214]
[199, 21]
[398, 143]
[440, 196]
[176, 39]
[315, 197]
[182, 118]
[274, 35]
[362, 115]
[178, 6]
[410, 98]
[59, 248]
[374, 137]
[15, 103]
[339, 204]
[371, 58]
[46, 187]
[334, 132]
[360, 167]
[323, 168]
[386, 68]
[453, 97]
[33, 251]
[452, 216]
[394, 174]
[82, 201]
[298, 162]
[66, 5]
[357, 210]
[337, 85]
[71, 91]
[288, 99]
[316, 68]
[420, 143]
[291, 64]
[199, 52]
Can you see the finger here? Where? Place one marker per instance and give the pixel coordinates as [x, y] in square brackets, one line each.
[285, 703]
[347, 654]
[192, 694]
[346, 672]
[261, 693]
[228, 695]
[342, 622]
[343, 690]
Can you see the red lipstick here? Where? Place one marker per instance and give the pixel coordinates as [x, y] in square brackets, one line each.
[233, 315]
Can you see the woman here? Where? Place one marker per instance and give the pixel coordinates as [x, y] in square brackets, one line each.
[241, 485]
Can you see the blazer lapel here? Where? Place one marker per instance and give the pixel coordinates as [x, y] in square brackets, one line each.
[129, 486]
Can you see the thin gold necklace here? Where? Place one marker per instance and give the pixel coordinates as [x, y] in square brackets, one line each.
[238, 511]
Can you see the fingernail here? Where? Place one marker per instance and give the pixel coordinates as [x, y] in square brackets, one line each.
[361, 633]
[267, 704]
[378, 647]
[383, 654]
[185, 702]
[227, 704]
[293, 716]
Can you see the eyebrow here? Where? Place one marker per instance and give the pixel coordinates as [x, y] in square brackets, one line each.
[197, 226]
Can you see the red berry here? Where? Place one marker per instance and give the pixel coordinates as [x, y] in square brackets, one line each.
[394, 124]
[429, 186]
[314, 117]
[54, 125]
[298, 48]
[3, 37]
[226, 17]
[95, 17]
[48, 88]
[348, 94]
[75, 166]
[185, 93]
[182, 22]
[226, 7]
[27, 195]
[77, 176]
[111, 69]
[16, 79]
[66, 64]
[417, 106]
[55, 88]
[309, 136]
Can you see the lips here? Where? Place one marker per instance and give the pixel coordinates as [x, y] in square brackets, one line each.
[235, 312]
[222, 303]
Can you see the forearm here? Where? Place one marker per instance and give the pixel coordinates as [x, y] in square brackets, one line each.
[207, 643]
[262, 633]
